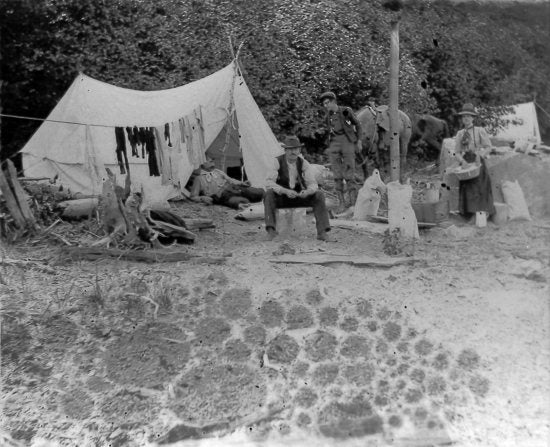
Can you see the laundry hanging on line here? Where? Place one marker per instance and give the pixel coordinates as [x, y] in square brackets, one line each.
[121, 155]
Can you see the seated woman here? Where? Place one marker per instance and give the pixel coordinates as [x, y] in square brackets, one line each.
[474, 194]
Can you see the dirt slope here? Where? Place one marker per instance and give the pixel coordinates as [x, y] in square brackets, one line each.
[452, 349]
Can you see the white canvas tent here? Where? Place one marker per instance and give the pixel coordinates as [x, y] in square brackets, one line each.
[523, 126]
[79, 153]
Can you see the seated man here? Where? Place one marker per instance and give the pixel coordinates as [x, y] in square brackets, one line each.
[212, 185]
[292, 184]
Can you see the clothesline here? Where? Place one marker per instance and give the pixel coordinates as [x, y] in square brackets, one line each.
[30, 118]
[53, 121]
[196, 142]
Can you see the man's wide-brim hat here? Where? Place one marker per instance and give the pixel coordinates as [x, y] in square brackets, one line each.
[468, 109]
[208, 164]
[292, 142]
[327, 95]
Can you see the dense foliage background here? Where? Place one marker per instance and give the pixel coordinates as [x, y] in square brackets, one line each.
[486, 53]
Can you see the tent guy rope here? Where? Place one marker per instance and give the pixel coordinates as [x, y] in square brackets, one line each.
[538, 105]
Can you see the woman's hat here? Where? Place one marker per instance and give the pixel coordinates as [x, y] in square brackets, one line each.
[291, 142]
[468, 109]
[327, 95]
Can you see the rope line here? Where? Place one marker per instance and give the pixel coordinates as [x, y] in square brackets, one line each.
[30, 118]
[539, 106]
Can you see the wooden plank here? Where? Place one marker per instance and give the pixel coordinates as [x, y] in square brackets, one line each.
[361, 225]
[359, 261]
[377, 224]
[11, 201]
[198, 224]
[378, 219]
[33, 179]
[382, 219]
[20, 194]
[149, 256]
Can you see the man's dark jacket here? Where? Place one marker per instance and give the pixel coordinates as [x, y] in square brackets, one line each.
[351, 125]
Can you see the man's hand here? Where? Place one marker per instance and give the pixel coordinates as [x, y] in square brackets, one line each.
[306, 193]
[291, 194]
[358, 147]
[247, 183]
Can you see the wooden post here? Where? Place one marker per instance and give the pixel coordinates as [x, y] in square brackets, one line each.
[394, 100]
[11, 201]
[20, 194]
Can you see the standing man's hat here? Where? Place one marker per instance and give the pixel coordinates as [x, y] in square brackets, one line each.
[292, 142]
[468, 109]
[329, 95]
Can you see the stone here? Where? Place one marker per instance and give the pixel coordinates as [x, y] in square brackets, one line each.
[328, 316]
[355, 346]
[272, 314]
[320, 345]
[236, 303]
[325, 374]
[282, 349]
[299, 317]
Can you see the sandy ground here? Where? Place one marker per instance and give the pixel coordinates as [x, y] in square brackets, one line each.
[452, 350]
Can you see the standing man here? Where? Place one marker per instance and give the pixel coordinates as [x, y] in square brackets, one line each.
[371, 104]
[292, 184]
[345, 139]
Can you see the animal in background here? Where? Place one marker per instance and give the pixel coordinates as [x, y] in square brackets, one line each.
[377, 138]
[432, 131]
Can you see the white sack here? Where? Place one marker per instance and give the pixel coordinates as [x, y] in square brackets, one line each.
[400, 212]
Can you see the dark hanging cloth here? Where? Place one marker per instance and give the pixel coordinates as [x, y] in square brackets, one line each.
[150, 147]
[167, 134]
[133, 141]
[142, 136]
[121, 156]
[476, 194]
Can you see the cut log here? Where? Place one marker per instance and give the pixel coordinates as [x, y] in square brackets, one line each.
[78, 208]
[199, 224]
[149, 256]
[138, 228]
[172, 231]
[111, 208]
[359, 261]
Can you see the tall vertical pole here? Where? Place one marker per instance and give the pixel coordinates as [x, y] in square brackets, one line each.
[394, 100]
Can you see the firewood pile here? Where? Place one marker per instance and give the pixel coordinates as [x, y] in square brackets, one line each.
[42, 212]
